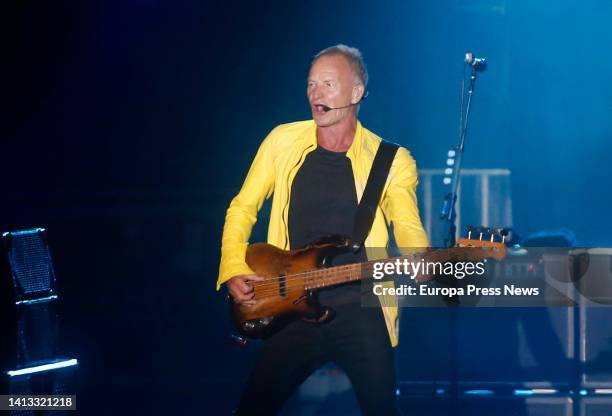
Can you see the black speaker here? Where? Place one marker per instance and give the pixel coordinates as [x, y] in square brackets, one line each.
[596, 406]
[516, 406]
[498, 405]
[28, 316]
[596, 347]
[29, 265]
[516, 345]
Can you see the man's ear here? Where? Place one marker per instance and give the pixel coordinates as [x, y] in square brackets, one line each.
[358, 91]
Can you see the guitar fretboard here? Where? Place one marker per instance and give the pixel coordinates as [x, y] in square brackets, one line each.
[335, 275]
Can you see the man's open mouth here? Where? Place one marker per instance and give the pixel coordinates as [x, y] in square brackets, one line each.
[319, 108]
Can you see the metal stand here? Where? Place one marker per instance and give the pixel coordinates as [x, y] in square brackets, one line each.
[448, 213]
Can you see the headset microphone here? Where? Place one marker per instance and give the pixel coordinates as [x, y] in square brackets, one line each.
[327, 109]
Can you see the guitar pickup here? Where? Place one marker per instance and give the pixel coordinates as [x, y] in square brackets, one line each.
[282, 286]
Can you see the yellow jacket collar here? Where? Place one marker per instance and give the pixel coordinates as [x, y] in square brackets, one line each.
[352, 153]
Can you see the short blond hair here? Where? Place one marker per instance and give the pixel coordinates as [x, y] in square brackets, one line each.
[352, 55]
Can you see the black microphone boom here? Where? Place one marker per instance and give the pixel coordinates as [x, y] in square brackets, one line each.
[327, 109]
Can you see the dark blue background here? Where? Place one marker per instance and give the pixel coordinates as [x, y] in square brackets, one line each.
[129, 125]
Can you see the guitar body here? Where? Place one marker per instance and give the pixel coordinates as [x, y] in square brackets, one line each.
[291, 280]
[280, 300]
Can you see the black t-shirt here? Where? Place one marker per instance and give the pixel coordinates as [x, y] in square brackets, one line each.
[323, 203]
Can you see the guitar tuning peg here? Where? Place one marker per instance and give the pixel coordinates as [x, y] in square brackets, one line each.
[469, 230]
[492, 232]
[504, 232]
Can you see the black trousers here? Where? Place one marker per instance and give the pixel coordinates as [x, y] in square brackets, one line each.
[356, 340]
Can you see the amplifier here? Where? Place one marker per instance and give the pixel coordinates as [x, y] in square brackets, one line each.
[28, 318]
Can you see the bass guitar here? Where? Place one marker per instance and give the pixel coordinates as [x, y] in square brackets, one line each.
[292, 278]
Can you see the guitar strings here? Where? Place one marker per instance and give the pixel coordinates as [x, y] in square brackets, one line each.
[291, 283]
[303, 277]
[272, 280]
[271, 286]
[274, 291]
[275, 281]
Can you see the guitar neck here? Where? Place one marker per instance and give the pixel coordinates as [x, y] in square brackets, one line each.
[360, 271]
[336, 275]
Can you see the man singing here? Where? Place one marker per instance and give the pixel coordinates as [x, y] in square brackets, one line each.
[316, 172]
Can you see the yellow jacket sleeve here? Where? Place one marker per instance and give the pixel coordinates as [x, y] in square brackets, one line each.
[400, 202]
[242, 213]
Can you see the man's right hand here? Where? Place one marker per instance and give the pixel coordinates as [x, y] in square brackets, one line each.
[241, 290]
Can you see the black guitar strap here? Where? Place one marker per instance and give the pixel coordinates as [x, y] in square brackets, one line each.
[364, 217]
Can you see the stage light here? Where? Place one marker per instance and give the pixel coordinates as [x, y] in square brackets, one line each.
[34, 301]
[603, 391]
[479, 392]
[545, 391]
[41, 368]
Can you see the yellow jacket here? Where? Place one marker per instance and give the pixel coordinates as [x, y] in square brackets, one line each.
[278, 160]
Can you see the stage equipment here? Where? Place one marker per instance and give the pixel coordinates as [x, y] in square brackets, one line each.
[31, 268]
[453, 172]
[484, 198]
[455, 156]
[30, 360]
[29, 299]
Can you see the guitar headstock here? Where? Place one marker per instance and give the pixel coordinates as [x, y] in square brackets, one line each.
[490, 240]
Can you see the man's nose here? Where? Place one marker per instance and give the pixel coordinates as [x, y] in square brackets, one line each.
[315, 93]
